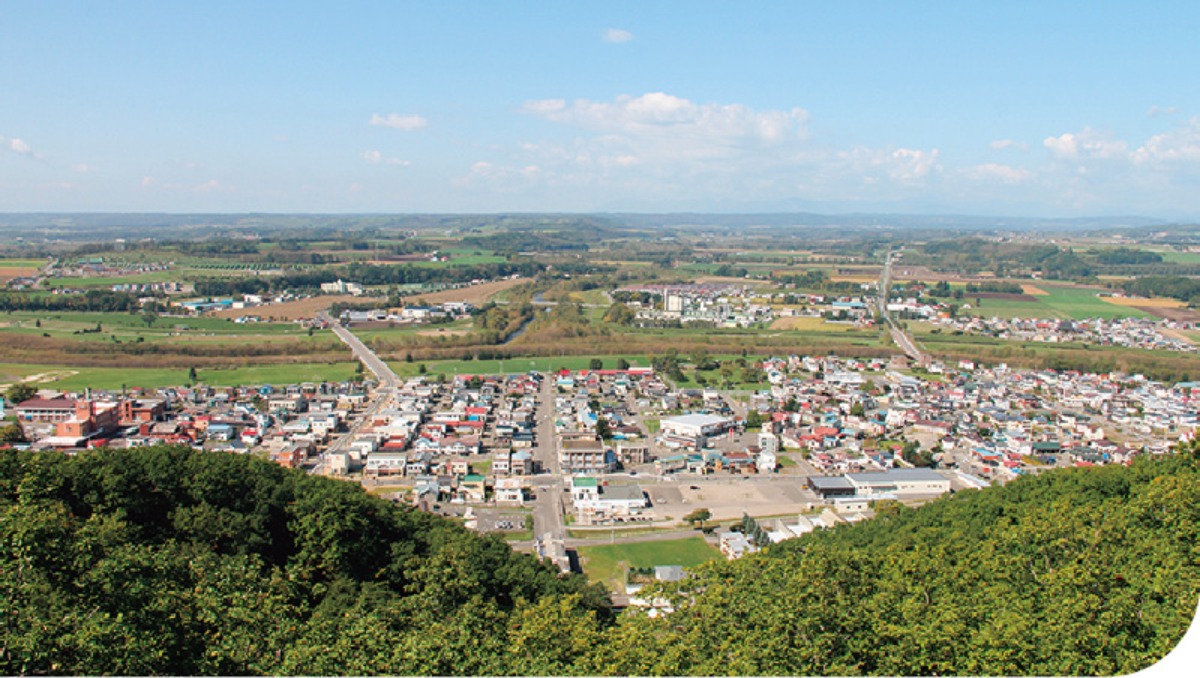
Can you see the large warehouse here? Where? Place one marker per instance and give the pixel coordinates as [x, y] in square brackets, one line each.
[899, 482]
[695, 425]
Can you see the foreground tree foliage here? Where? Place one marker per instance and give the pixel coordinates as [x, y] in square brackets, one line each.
[1077, 572]
[168, 561]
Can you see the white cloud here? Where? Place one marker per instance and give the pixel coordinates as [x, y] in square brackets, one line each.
[659, 147]
[875, 167]
[1156, 111]
[83, 168]
[1178, 145]
[210, 186]
[545, 107]
[996, 172]
[617, 35]
[912, 165]
[18, 146]
[1001, 144]
[663, 117]
[1087, 144]
[499, 178]
[407, 123]
[378, 158]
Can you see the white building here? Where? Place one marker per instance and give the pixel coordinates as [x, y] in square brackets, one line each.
[766, 462]
[341, 287]
[900, 482]
[696, 425]
[509, 491]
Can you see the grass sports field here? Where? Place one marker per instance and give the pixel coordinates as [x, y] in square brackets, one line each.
[608, 563]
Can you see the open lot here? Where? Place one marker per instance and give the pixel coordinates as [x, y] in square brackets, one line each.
[731, 496]
[803, 323]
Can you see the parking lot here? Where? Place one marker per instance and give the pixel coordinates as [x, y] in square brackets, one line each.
[499, 519]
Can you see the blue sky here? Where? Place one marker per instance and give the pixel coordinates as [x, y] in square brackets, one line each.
[1015, 108]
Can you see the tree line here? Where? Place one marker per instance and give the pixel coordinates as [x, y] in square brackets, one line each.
[170, 561]
[92, 300]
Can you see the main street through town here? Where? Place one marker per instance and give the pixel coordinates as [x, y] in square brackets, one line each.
[386, 379]
[548, 524]
[902, 339]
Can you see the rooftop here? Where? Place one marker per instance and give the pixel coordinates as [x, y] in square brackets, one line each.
[700, 420]
[896, 475]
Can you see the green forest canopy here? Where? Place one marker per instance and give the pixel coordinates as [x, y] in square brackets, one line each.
[165, 560]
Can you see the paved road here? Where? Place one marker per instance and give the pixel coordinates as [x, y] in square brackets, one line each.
[899, 336]
[382, 396]
[548, 523]
[383, 374]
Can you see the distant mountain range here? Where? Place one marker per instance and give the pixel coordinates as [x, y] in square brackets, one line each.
[100, 226]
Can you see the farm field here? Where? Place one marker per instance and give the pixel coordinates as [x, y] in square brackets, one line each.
[840, 333]
[590, 297]
[114, 378]
[16, 268]
[950, 347]
[807, 323]
[450, 368]
[132, 321]
[462, 256]
[475, 294]
[289, 310]
[1181, 257]
[1059, 301]
[608, 563]
[103, 282]
[456, 328]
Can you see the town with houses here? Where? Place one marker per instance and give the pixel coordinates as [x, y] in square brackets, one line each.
[473, 440]
[822, 439]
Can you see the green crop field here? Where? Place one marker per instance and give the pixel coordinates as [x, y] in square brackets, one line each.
[1181, 257]
[591, 297]
[114, 378]
[22, 263]
[607, 563]
[451, 368]
[13, 372]
[1063, 301]
[105, 283]
[78, 326]
[408, 330]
